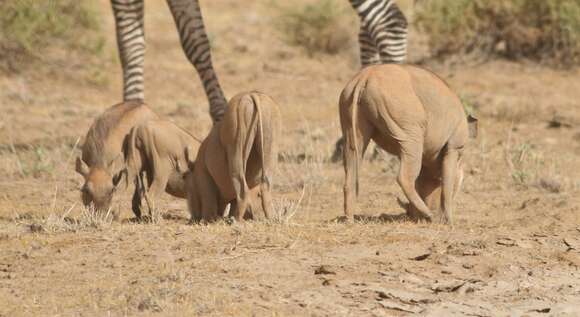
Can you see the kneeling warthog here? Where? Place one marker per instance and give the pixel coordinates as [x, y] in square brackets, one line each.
[102, 163]
[412, 113]
[155, 151]
[235, 159]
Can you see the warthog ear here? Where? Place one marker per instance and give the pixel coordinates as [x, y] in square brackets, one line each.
[472, 125]
[81, 167]
[190, 157]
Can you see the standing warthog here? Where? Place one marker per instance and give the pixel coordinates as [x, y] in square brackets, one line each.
[235, 159]
[411, 113]
[155, 151]
[102, 163]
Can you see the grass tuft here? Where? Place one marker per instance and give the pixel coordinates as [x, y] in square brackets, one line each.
[29, 27]
[318, 27]
[547, 30]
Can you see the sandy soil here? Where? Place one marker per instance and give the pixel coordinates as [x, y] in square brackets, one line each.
[515, 248]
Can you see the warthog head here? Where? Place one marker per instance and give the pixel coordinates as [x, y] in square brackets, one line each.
[100, 184]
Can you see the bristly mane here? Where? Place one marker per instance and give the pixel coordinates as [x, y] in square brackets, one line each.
[100, 130]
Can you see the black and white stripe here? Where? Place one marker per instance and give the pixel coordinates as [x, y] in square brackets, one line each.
[189, 23]
[131, 43]
[383, 31]
[382, 39]
[194, 41]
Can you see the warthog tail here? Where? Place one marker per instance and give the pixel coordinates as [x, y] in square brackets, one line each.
[359, 87]
[257, 104]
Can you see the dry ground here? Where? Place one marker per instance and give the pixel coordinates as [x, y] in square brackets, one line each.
[515, 249]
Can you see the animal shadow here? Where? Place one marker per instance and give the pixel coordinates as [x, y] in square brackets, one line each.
[167, 216]
[380, 218]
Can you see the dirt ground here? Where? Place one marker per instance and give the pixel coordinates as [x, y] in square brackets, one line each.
[514, 249]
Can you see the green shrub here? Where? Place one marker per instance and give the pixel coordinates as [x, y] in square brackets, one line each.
[29, 27]
[319, 27]
[537, 29]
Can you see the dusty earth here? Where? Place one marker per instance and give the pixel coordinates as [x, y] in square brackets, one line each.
[515, 248]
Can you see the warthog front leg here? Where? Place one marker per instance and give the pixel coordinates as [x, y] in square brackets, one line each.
[157, 187]
[138, 194]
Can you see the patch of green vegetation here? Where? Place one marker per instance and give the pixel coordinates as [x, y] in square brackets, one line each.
[318, 27]
[29, 27]
[468, 105]
[538, 29]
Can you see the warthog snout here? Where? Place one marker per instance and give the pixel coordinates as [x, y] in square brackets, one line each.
[100, 199]
[99, 186]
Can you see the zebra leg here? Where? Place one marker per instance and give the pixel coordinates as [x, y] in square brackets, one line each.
[189, 22]
[393, 46]
[386, 26]
[390, 35]
[369, 55]
[131, 44]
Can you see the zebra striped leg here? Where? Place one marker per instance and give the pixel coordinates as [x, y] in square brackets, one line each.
[390, 34]
[131, 44]
[391, 37]
[385, 26]
[369, 55]
[189, 22]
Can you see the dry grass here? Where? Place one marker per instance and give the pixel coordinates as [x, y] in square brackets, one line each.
[79, 263]
[88, 220]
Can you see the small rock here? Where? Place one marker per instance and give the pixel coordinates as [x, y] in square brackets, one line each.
[571, 244]
[559, 121]
[324, 270]
[508, 242]
[400, 307]
[544, 310]
[421, 256]
[405, 296]
[328, 282]
[447, 286]
[465, 288]
[468, 266]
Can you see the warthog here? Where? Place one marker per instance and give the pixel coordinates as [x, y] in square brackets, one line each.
[412, 113]
[235, 159]
[102, 163]
[155, 151]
